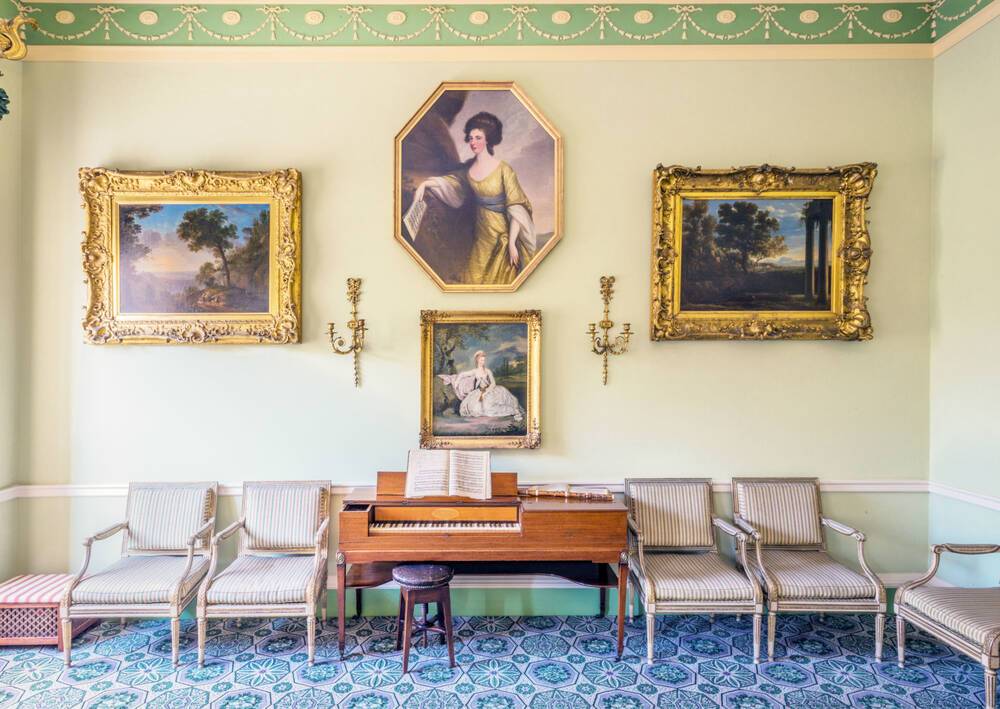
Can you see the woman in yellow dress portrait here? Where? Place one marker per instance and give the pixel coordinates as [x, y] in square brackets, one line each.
[503, 233]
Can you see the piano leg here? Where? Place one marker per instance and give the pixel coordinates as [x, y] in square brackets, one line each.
[622, 583]
[341, 603]
[358, 612]
[604, 603]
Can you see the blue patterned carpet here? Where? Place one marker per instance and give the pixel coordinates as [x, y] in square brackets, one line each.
[537, 662]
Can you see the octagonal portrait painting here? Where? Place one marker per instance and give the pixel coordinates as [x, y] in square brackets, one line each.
[478, 186]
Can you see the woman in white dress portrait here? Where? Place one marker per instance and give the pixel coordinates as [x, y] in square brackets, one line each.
[480, 394]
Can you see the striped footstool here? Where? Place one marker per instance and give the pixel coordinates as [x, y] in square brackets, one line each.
[29, 610]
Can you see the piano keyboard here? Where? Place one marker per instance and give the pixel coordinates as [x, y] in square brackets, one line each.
[393, 527]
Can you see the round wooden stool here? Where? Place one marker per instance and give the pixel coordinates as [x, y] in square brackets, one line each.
[423, 583]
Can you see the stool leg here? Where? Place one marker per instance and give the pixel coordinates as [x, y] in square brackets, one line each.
[444, 607]
[357, 603]
[399, 619]
[991, 689]
[407, 631]
[423, 622]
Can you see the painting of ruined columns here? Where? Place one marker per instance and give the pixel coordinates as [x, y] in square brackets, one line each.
[761, 252]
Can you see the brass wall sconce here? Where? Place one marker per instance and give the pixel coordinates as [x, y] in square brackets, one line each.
[356, 326]
[604, 345]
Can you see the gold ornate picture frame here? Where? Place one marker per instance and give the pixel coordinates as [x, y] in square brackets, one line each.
[478, 186]
[761, 252]
[192, 256]
[480, 379]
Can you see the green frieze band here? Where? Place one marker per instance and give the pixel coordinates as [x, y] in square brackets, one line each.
[92, 24]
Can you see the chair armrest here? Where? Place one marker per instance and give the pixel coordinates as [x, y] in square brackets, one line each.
[318, 539]
[105, 533]
[937, 550]
[747, 527]
[841, 528]
[202, 531]
[859, 537]
[227, 532]
[967, 548]
[634, 526]
[729, 529]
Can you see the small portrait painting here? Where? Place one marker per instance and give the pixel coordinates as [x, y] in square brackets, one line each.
[478, 192]
[480, 379]
[756, 254]
[194, 258]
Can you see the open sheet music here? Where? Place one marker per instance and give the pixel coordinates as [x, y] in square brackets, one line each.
[437, 473]
[414, 216]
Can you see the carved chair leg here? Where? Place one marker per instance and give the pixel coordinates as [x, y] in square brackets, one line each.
[900, 641]
[123, 621]
[322, 613]
[175, 640]
[756, 637]
[772, 624]
[202, 627]
[650, 636]
[711, 618]
[311, 637]
[67, 633]
[991, 689]
[879, 635]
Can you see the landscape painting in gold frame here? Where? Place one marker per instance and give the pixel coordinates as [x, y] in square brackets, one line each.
[192, 256]
[761, 252]
[480, 379]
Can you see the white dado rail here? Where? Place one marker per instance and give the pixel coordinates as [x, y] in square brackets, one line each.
[16, 492]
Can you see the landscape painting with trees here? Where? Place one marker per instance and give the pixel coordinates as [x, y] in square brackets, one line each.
[754, 254]
[194, 258]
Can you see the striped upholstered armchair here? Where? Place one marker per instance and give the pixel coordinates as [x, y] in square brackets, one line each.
[785, 521]
[674, 557]
[967, 619]
[280, 566]
[164, 556]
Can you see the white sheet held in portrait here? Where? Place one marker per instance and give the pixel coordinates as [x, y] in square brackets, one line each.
[437, 473]
[414, 216]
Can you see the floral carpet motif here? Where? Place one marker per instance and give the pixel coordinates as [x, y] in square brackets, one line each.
[503, 663]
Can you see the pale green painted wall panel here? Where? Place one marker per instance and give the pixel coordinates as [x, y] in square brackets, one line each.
[964, 334]
[9, 539]
[837, 410]
[10, 236]
[960, 522]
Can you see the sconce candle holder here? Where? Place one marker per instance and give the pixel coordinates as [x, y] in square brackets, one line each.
[605, 345]
[357, 327]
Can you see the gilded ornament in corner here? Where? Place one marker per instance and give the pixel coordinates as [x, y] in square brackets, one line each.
[761, 253]
[192, 256]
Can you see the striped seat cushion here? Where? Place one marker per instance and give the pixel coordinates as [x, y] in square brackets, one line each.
[673, 514]
[163, 517]
[263, 580]
[813, 574]
[973, 613]
[695, 577]
[282, 515]
[785, 513]
[134, 580]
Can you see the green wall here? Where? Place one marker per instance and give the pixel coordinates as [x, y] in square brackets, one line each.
[842, 411]
[964, 337]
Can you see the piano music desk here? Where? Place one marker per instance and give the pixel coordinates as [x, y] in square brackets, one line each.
[504, 534]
